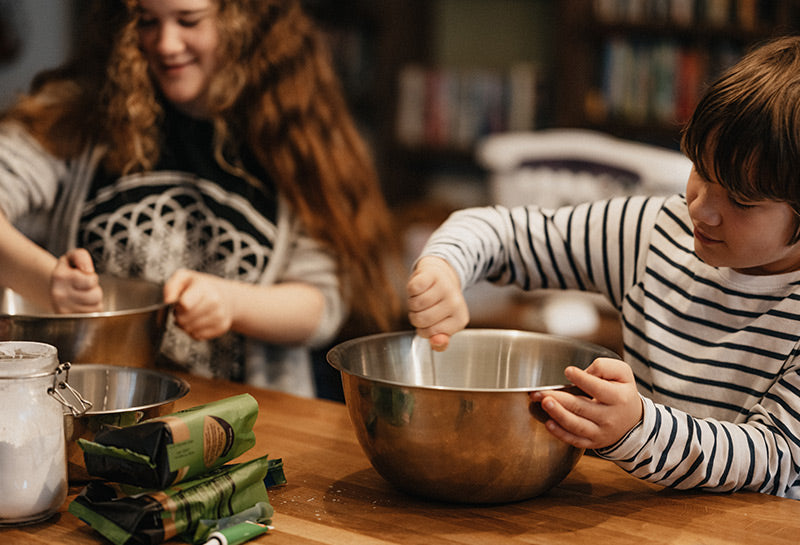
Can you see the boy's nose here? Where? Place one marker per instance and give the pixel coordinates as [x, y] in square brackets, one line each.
[704, 207]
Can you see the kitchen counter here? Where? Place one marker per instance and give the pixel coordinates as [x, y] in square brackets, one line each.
[333, 496]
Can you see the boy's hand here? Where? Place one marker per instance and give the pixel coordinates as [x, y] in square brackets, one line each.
[436, 306]
[74, 284]
[612, 408]
[202, 308]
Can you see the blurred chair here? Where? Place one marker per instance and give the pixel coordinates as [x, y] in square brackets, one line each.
[558, 167]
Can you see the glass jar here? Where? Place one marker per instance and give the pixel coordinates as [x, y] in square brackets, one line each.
[33, 470]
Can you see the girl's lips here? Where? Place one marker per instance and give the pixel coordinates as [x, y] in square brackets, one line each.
[174, 66]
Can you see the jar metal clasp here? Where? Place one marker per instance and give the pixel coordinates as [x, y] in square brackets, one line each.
[79, 405]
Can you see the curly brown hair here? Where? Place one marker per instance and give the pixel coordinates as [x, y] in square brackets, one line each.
[275, 92]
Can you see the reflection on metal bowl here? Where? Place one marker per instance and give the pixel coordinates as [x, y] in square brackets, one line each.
[458, 425]
[127, 332]
[120, 396]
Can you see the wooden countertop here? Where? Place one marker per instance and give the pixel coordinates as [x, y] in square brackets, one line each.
[333, 496]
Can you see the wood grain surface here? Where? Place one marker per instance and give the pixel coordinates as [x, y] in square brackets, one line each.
[333, 496]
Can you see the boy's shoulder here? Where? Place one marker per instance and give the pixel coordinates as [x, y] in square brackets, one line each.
[654, 207]
[673, 205]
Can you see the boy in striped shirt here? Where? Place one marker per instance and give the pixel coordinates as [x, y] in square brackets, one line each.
[707, 285]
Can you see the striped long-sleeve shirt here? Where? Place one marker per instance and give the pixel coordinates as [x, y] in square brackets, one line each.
[713, 351]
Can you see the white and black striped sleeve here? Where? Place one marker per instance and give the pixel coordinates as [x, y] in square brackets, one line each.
[591, 246]
[672, 448]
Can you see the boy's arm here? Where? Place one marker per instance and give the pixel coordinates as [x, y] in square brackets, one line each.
[591, 247]
[587, 247]
[436, 305]
[674, 449]
[609, 409]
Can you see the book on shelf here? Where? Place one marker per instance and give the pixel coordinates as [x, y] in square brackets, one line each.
[657, 81]
[412, 92]
[745, 14]
[452, 108]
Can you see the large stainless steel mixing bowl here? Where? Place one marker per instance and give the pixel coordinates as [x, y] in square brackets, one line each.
[458, 425]
[127, 332]
[120, 396]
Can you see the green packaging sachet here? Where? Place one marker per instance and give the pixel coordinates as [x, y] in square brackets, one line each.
[162, 451]
[127, 517]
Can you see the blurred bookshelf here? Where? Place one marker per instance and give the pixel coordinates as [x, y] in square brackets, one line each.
[370, 42]
[635, 68]
[427, 79]
[450, 109]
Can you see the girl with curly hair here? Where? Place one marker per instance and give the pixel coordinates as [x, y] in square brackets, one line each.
[204, 144]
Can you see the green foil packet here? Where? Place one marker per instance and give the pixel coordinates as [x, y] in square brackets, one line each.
[151, 517]
[260, 513]
[166, 450]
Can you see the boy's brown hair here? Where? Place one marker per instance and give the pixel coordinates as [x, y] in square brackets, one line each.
[745, 132]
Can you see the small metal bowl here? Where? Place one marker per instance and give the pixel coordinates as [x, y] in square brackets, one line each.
[458, 425]
[120, 396]
[127, 332]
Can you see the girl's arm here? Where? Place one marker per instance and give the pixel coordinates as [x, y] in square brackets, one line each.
[304, 305]
[67, 284]
[29, 181]
[26, 267]
[207, 306]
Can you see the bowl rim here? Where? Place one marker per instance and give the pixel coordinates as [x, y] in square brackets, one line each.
[31, 317]
[335, 350]
[183, 385]
[34, 316]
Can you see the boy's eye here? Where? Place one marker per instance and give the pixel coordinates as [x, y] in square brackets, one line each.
[742, 205]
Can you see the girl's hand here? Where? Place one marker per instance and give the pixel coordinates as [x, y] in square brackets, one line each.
[436, 306]
[613, 406]
[202, 308]
[74, 284]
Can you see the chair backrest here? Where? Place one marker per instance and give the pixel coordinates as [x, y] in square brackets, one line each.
[558, 167]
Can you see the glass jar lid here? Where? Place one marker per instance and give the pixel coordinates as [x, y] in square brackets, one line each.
[27, 359]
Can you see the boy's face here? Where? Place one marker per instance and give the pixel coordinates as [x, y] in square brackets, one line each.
[749, 237]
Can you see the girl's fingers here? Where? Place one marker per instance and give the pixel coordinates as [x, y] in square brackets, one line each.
[80, 259]
[439, 341]
[176, 285]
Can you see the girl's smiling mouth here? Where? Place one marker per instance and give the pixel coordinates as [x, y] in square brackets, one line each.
[174, 66]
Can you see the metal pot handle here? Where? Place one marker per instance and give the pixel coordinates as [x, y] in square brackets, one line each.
[81, 405]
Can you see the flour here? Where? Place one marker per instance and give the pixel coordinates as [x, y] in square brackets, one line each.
[33, 482]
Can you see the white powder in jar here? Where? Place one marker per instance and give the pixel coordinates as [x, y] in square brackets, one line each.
[33, 480]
